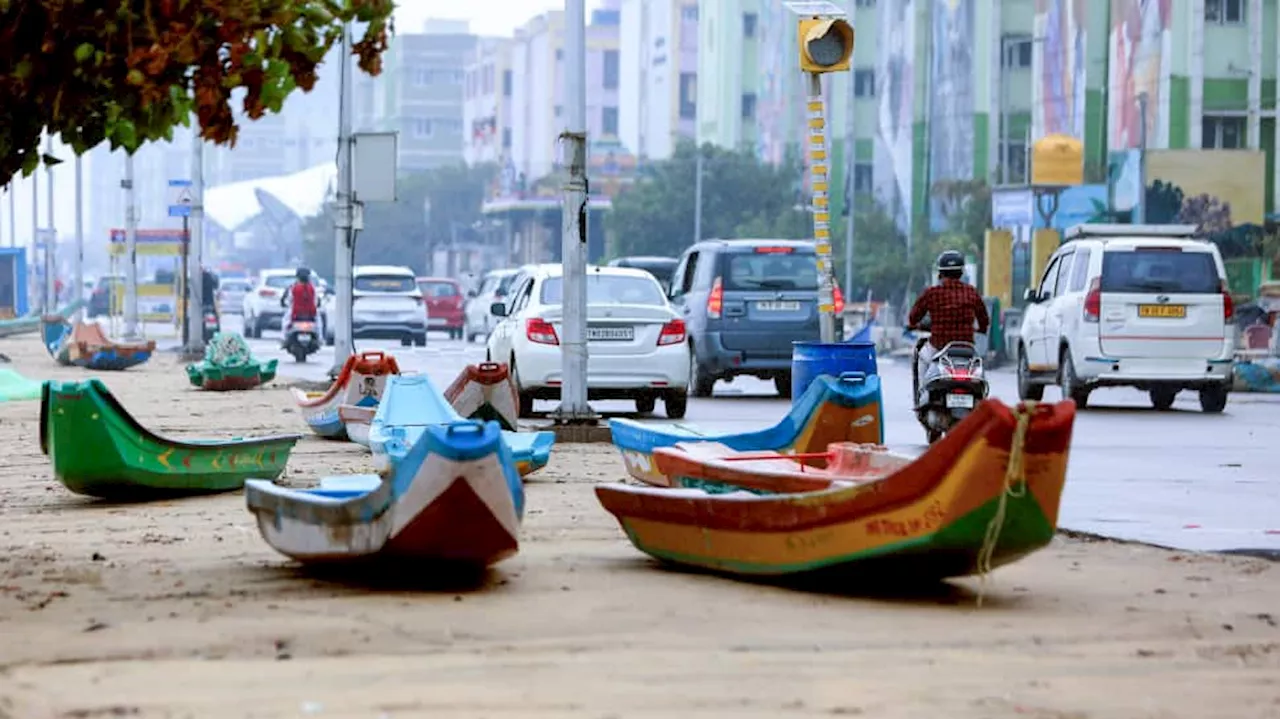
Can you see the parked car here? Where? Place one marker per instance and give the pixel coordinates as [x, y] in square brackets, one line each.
[660, 267]
[231, 294]
[745, 302]
[477, 320]
[443, 298]
[261, 305]
[1143, 306]
[385, 304]
[101, 303]
[636, 343]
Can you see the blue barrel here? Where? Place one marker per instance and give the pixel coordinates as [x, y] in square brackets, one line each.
[810, 359]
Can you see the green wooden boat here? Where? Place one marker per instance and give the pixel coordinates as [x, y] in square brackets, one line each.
[228, 365]
[97, 448]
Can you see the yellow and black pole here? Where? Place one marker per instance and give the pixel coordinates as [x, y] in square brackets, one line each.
[826, 45]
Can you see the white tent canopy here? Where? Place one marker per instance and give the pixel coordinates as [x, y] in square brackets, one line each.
[304, 193]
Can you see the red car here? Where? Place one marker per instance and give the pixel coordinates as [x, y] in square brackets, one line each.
[444, 304]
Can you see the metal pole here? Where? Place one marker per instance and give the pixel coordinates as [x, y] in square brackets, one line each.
[13, 215]
[851, 158]
[35, 239]
[186, 284]
[78, 293]
[130, 251]
[821, 208]
[343, 216]
[1140, 204]
[51, 239]
[697, 195]
[194, 232]
[573, 391]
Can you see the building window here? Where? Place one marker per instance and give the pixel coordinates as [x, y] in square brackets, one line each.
[748, 24]
[506, 138]
[1222, 133]
[422, 128]
[609, 121]
[688, 96]
[559, 54]
[863, 179]
[1017, 51]
[864, 83]
[611, 69]
[749, 106]
[506, 83]
[689, 12]
[1224, 11]
[1014, 153]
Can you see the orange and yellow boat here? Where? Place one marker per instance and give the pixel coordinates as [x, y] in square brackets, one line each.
[985, 495]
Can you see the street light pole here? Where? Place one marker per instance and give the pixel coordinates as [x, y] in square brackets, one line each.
[195, 243]
[343, 216]
[51, 239]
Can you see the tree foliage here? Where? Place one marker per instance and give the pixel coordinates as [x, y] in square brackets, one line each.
[741, 197]
[403, 232]
[128, 71]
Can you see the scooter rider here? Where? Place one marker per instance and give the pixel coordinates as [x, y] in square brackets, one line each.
[301, 301]
[953, 307]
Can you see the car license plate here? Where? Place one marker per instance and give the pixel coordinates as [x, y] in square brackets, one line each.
[611, 334]
[778, 306]
[304, 337]
[959, 401]
[1175, 312]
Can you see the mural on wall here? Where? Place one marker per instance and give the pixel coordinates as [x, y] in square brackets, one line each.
[895, 96]
[1076, 206]
[1138, 64]
[951, 131]
[1058, 64]
[1235, 178]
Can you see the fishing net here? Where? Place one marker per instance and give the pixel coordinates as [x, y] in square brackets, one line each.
[228, 349]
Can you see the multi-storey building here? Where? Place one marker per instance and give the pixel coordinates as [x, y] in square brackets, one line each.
[658, 51]
[726, 84]
[486, 110]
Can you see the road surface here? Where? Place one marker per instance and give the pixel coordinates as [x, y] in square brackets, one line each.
[1179, 479]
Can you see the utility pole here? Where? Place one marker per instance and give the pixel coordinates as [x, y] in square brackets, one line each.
[194, 237]
[78, 294]
[343, 217]
[35, 237]
[51, 239]
[851, 160]
[130, 251]
[573, 345]
[1140, 204]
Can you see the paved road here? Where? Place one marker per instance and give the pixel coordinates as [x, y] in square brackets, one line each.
[1180, 478]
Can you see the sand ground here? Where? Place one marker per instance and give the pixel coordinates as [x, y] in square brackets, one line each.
[179, 609]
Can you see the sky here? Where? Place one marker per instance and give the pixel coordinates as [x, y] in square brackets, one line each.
[491, 18]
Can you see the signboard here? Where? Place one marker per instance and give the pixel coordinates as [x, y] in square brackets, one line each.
[1012, 208]
[180, 198]
[159, 263]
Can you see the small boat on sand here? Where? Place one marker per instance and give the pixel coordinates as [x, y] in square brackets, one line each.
[360, 383]
[485, 392]
[84, 344]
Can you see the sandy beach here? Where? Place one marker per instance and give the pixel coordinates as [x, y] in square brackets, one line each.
[179, 609]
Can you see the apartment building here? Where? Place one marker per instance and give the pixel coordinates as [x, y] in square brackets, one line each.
[726, 84]
[486, 109]
[658, 51]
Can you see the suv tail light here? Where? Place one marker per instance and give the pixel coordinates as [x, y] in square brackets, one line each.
[540, 331]
[1228, 304]
[266, 292]
[1093, 302]
[673, 333]
[837, 299]
[715, 300]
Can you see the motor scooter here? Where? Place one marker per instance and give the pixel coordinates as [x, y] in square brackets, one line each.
[301, 336]
[953, 384]
[212, 323]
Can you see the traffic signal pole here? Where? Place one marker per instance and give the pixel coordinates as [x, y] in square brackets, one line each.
[818, 185]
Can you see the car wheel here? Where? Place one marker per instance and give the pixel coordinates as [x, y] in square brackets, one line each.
[700, 384]
[676, 403]
[1027, 390]
[1213, 399]
[1069, 382]
[1162, 398]
[526, 398]
[782, 383]
[406, 340]
[645, 404]
[420, 340]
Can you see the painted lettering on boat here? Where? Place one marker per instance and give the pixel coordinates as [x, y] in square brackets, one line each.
[809, 540]
[926, 521]
[637, 461]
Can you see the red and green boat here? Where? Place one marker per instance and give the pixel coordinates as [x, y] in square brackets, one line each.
[985, 495]
[98, 449]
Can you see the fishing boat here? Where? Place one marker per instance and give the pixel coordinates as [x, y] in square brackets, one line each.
[229, 365]
[99, 449]
[832, 409]
[983, 496]
[357, 421]
[453, 497]
[360, 383]
[485, 392]
[411, 402]
[84, 344]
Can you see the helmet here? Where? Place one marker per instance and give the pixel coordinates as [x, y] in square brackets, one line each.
[304, 274]
[950, 261]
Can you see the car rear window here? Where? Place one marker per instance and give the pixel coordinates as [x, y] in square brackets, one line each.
[763, 270]
[239, 285]
[384, 283]
[608, 289]
[280, 281]
[1155, 270]
[504, 284]
[438, 289]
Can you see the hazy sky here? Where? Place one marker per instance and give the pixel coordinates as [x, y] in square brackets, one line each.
[490, 17]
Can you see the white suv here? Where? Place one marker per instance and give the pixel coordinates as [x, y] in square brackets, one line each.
[1143, 306]
[385, 304]
[261, 306]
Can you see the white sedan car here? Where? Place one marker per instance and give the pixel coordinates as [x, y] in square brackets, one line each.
[636, 344]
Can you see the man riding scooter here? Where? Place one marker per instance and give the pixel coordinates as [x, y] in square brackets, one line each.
[300, 335]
